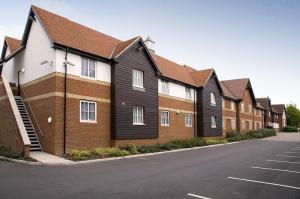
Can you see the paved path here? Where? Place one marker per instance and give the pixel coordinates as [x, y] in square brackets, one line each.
[48, 158]
[252, 169]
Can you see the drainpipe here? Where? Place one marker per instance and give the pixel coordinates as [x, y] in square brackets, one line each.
[65, 100]
[195, 129]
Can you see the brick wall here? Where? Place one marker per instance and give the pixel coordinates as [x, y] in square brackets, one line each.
[10, 135]
[229, 114]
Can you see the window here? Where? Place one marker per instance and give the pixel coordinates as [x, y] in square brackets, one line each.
[269, 114]
[88, 68]
[250, 125]
[164, 87]
[233, 124]
[213, 122]
[188, 119]
[243, 125]
[137, 79]
[212, 99]
[165, 118]
[138, 115]
[87, 111]
[242, 107]
[232, 106]
[254, 111]
[255, 125]
[249, 108]
[188, 93]
[224, 123]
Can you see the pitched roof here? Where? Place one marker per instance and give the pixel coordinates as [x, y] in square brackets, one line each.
[258, 105]
[236, 86]
[13, 44]
[71, 34]
[279, 108]
[227, 92]
[265, 103]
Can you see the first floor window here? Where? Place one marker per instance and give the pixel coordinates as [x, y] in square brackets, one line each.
[165, 118]
[223, 103]
[242, 107]
[249, 108]
[138, 115]
[87, 111]
[213, 121]
[224, 123]
[188, 119]
[212, 99]
[188, 93]
[233, 124]
[137, 78]
[243, 125]
[88, 68]
[232, 106]
[164, 87]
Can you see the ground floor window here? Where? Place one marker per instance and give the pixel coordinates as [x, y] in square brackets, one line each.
[224, 123]
[233, 124]
[213, 122]
[188, 119]
[88, 111]
[165, 118]
[243, 125]
[138, 115]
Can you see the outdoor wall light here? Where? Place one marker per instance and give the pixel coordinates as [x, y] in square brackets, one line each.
[49, 120]
[177, 112]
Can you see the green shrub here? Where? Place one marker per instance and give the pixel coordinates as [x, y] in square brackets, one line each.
[252, 135]
[8, 153]
[78, 155]
[131, 148]
[290, 129]
[109, 152]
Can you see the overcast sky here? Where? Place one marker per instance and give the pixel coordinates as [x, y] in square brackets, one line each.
[259, 39]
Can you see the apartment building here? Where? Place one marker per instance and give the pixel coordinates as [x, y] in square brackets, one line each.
[267, 109]
[83, 89]
[240, 111]
[280, 115]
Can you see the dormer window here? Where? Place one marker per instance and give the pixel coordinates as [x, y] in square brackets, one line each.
[137, 79]
[212, 99]
[188, 93]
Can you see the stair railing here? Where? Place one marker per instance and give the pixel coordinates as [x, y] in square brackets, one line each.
[40, 130]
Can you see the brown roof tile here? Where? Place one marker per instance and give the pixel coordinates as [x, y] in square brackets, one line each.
[71, 34]
[227, 92]
[236, 86]
[279, 108]
[13, 44]
[264, 102]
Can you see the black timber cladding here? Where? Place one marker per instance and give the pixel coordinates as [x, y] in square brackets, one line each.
[124, 97]
[205, 110]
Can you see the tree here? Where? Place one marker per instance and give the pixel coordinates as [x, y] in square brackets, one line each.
[293, 115]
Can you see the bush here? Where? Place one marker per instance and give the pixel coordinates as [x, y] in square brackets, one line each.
[252, 135]
[290, 129]
[97, 153]
[8, 153]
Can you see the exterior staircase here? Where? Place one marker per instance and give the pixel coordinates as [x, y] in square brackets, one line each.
[34, 140]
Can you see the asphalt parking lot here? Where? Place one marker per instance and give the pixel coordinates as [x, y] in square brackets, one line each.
[268, 168]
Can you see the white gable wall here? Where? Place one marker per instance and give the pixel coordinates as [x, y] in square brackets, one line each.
[38, 49]
[9, 71]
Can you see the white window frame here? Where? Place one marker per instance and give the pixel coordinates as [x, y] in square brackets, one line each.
[188, 93]
[213, 122]
[213, 99]
[165, 87]
[223, 123]
[137, 78]
[88, 119]
[135, 117]
[242, 107]
[165, 121]
[223, 103]
[82, 74]
[233, 124]
[188, 120]
[232, 107]
[249, 108]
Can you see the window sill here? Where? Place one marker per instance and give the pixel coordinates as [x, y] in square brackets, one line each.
[164, 125]
[88, 122]
[138, 88]
[189, 126]
[138, 124]
[213, 104]
[86, 77]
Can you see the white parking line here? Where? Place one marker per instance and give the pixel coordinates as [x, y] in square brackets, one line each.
[291, 152]
[264, 168]
[288, 156]
[197, 196]
[283, 161]
[296, 149]
[261, 182]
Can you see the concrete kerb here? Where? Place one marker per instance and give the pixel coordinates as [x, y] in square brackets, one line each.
[113, 158]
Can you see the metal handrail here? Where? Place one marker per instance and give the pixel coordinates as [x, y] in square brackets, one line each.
[40, 130]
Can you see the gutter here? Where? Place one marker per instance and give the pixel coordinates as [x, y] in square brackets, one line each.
[195, 129]
[65, 101]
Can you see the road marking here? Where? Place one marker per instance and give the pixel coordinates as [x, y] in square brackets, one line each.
[283, 161]
[264, 168]
[291, 152]
[197, 196]
[296, 149]
[268, 183]
[288, 156]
